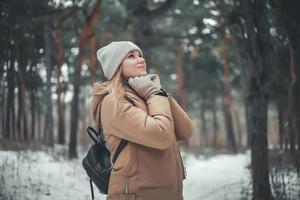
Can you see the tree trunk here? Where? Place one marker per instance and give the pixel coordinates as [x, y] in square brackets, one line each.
[291, 103]
[247, 123]
[22, 116]
[10, 110]
[238, 128]
[291, 123]
[203, 126]
[215, 123]
[93, 63]
[74, 109]
[286, 128]
[180, 77]
[280, 125]
[229, 126]
[19, 115]
[296, 100]
[260, 49]
[39, 124]
[227, 100]
[83, 39]
[60, 111]
[48, 132]
[32, 102]
[288, 13]
[258, 106]
[297, 113]
[245, 61]
[3, 98]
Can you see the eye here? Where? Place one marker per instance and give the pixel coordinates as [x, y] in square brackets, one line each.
[130, 55]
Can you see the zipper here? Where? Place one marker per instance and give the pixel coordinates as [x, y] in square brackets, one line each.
[89, 166]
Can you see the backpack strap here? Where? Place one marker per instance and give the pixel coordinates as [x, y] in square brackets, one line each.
[123, 142]
[121, 146]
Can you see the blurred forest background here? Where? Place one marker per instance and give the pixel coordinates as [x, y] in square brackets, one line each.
[233, 65]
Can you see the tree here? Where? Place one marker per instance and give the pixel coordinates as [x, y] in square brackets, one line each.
[288, 14]
[82, 39]
[48, 128]
[59, 102]
[260, 49]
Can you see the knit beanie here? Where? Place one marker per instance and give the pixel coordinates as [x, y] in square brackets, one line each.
[112, 55]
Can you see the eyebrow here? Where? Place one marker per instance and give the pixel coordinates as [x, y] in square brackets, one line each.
[131, 52]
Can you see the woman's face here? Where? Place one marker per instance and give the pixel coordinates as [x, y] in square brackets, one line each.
[133, 65]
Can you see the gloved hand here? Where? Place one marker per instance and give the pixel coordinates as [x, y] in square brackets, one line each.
[155, 79]
[143, 86]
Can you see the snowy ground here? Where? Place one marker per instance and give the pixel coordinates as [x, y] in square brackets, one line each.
[218, 177]
[46, 174]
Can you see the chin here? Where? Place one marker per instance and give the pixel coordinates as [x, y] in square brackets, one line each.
[142, 74]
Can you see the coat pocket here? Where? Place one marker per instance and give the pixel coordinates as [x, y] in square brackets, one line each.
[121, 197]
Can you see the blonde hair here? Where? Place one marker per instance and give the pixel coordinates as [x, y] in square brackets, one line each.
[116, 85]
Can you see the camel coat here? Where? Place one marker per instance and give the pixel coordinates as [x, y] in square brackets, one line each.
[150, 166]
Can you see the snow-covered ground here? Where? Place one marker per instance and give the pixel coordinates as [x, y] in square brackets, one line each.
[218, 177]
[46, 174]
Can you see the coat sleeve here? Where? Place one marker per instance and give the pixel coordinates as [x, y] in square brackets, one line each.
[182, 123]
[126, 121]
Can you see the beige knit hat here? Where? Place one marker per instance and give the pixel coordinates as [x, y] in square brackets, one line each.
[112, 55]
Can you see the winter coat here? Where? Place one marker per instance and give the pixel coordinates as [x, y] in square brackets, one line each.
[150, 166]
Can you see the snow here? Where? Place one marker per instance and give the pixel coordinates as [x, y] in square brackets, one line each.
[218, 177]
[42, 175]
[47, 174]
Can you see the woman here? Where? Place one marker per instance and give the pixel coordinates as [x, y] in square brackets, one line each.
[131, 105]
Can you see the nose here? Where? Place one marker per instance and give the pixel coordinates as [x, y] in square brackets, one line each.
[141, 60]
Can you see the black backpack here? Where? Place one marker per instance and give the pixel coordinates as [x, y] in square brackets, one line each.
[97, 161]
